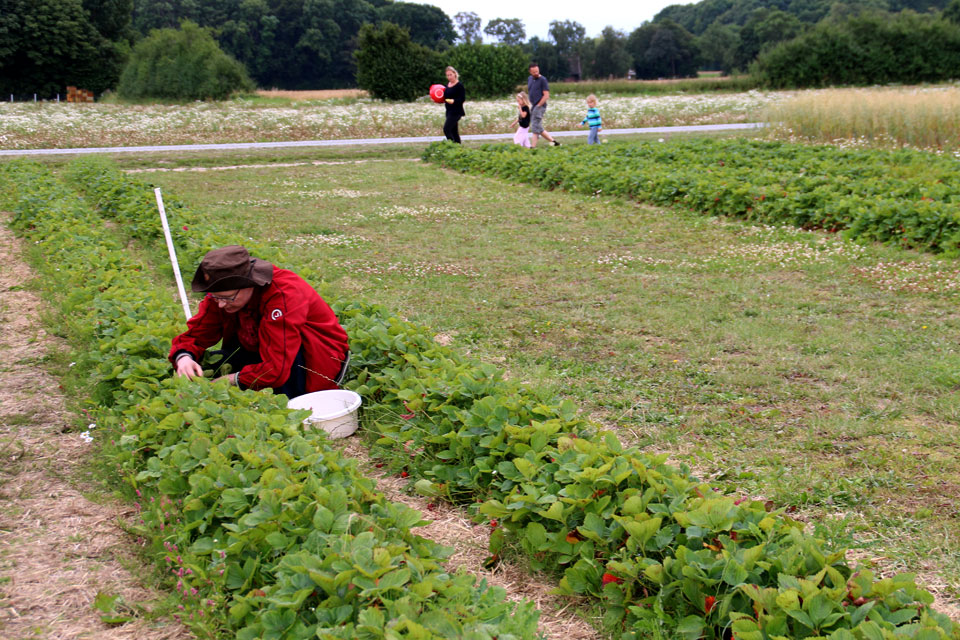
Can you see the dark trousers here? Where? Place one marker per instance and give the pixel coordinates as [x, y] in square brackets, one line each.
[451, 128]
[238, 357]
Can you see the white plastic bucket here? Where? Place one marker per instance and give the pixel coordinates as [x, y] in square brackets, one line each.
[334, 411]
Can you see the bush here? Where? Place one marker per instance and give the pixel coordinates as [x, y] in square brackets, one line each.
[391, 66]
[488, 70]
[182, 64]
[867, 49]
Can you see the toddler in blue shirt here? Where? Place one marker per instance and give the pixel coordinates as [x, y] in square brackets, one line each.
[593, 120]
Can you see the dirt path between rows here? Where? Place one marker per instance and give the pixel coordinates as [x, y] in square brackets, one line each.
[58, 549]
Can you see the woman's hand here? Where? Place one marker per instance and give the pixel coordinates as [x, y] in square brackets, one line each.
[187, 366]
[449, 100]
[231, 379]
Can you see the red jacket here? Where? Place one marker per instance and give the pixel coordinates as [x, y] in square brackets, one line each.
[279, 318]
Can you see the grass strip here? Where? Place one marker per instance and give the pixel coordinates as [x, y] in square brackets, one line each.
[266, 531]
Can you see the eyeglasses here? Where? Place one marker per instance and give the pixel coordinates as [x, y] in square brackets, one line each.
[225, 298]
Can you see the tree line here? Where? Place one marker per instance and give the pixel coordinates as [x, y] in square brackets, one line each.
[317, 44]
[731, 34]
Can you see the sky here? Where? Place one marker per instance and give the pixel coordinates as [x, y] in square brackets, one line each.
[624, 15]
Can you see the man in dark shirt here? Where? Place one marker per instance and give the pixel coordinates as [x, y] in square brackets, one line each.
[539, 91]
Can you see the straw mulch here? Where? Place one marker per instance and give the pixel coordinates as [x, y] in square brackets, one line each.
[58, 549]
[560, 616]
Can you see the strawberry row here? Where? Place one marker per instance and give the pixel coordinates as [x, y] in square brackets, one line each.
[905, 198]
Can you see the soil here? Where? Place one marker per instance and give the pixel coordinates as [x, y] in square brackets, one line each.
[58, 548]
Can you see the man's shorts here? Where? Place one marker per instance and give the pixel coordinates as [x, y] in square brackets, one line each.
[536, 119]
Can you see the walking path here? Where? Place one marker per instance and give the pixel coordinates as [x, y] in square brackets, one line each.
[239, 146]
[58, 548]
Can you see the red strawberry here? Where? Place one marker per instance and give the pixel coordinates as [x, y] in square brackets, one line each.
[609, 577]
[708, 603]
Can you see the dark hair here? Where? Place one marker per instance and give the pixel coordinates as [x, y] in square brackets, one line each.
[534, 64]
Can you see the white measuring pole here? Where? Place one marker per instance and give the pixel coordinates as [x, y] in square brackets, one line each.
[173, 254]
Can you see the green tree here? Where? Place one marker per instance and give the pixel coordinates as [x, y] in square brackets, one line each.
[506, 30]
[568, 36]
[46, 45]
[250, 36]
[610, 57]
[762, 30]
[842, 11]
[952, 12]
[329, 36]
[428, 25]
[871, 48]
[718, 47]
[468, 27]
[181, 64]
[663, 50]
[488, 70]
[393, 67]
[295, 44]
[111, 18]
[155, 14]
[695, 18]
[553, 65]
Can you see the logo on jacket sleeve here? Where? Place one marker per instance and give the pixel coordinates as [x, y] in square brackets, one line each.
[276, 314]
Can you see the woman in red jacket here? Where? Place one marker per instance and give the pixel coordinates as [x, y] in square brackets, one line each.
[277, 332]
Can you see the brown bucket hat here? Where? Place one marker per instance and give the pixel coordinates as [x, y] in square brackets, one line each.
[229, 268]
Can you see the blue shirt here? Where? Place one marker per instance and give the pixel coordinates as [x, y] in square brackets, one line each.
[593, 117]
[536, 87]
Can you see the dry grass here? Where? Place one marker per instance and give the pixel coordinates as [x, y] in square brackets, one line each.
[324, 94]
[919, 117]
[58, 549]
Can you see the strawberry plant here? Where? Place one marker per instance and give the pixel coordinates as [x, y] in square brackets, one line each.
[904, 198]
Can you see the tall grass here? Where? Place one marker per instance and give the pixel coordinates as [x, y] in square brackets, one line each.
[919, 117]
[705, 84]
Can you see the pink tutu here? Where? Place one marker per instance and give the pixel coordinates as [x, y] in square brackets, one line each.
[522, 137]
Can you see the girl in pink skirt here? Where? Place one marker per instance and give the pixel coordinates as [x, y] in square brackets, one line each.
[522, 123]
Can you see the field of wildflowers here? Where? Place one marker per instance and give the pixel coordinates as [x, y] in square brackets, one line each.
[61, 125]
